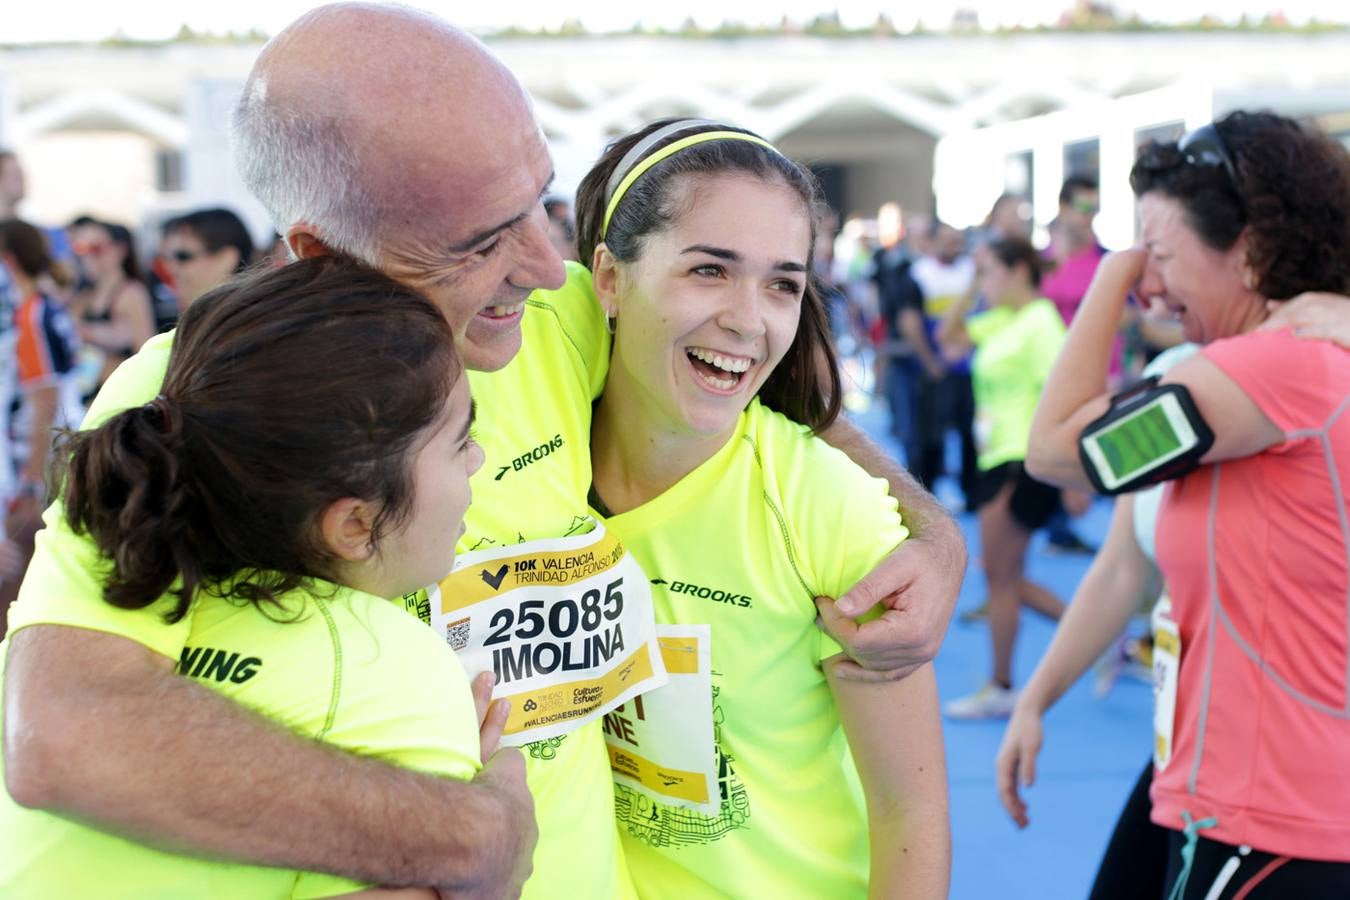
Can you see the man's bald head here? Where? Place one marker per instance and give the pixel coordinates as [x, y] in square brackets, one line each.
[354, 111]
[384, 133]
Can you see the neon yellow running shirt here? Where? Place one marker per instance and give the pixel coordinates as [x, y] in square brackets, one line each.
[745, 543]
[1014, 350]
[351, 670]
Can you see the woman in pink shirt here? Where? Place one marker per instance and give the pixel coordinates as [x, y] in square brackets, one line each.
[1253, 722]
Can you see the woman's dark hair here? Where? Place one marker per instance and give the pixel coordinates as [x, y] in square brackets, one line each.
[286, 390]
[28, 245]
[805, 385]
[120, 234]
[216, 228]
[1014, 251]
[1292, 194]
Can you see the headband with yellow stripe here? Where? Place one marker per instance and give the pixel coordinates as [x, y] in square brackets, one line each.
[640, 158]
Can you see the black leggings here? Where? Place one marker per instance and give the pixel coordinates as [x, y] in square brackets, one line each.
[1143, 862]
[1134, 866]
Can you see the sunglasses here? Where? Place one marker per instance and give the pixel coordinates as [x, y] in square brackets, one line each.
[1205, 147]
[1086, 207]
[1202, 148]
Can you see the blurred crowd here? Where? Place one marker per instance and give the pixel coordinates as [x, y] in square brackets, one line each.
[75, 301]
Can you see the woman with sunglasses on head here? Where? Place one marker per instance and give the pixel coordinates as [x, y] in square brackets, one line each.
[1252, 725]
[203, 249]
[699, 239]
[113, 310]
[271, 539]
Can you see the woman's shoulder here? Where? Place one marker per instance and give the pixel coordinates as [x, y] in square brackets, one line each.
[1297, 383]
[1282, 356]
[801, 465]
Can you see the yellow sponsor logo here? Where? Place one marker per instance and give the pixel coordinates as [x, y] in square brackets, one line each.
[556, 703]
[690, 786]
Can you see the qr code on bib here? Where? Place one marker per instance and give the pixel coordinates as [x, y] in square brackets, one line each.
[457, 634]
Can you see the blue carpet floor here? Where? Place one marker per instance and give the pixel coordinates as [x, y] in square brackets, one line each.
[1094, 747]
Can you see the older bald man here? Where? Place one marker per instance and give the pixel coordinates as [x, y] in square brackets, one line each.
[386, 134]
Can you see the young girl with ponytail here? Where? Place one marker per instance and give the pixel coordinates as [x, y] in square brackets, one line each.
[308, 455]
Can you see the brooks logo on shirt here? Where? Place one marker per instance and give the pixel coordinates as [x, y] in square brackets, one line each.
[704, 593]
[531, 456]
[205, 662]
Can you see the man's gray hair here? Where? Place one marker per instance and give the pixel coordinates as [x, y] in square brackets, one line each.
[300, 165]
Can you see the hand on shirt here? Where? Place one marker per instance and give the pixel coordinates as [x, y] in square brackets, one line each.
[916, 588]
[1315, 315]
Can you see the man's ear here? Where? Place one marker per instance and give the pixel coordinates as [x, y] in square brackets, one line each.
[347, 528]
[303, 240]
[605, 278]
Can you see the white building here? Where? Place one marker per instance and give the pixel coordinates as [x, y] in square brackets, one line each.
[137, 132]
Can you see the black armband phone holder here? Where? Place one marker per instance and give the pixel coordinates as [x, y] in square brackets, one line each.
[1152, 432]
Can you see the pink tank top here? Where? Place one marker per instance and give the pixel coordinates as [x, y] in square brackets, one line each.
[1256, 556]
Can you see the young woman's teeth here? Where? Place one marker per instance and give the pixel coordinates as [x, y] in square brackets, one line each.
[710, 364]
[725, 363]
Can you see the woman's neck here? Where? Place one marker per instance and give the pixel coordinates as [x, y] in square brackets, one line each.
[636, 453]
[1253, 310]
[108, 282]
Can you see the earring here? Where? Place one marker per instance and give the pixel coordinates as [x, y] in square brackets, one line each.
[610, 321]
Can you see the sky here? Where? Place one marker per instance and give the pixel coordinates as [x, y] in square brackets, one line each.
[80, 20]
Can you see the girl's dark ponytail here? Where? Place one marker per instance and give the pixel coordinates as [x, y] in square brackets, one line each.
[124, 487]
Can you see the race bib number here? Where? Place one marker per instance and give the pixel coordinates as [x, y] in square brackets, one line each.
[661, 744]
[1166, 668]
[565, 623]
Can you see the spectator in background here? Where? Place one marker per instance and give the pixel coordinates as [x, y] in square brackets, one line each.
[112, 310]
[903, 353]
[1010, 216]
[203, 249]
[47, 346]
[918, 234]
[12, 191]
[1074, 254]
[945, 275]
[1074, 251]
